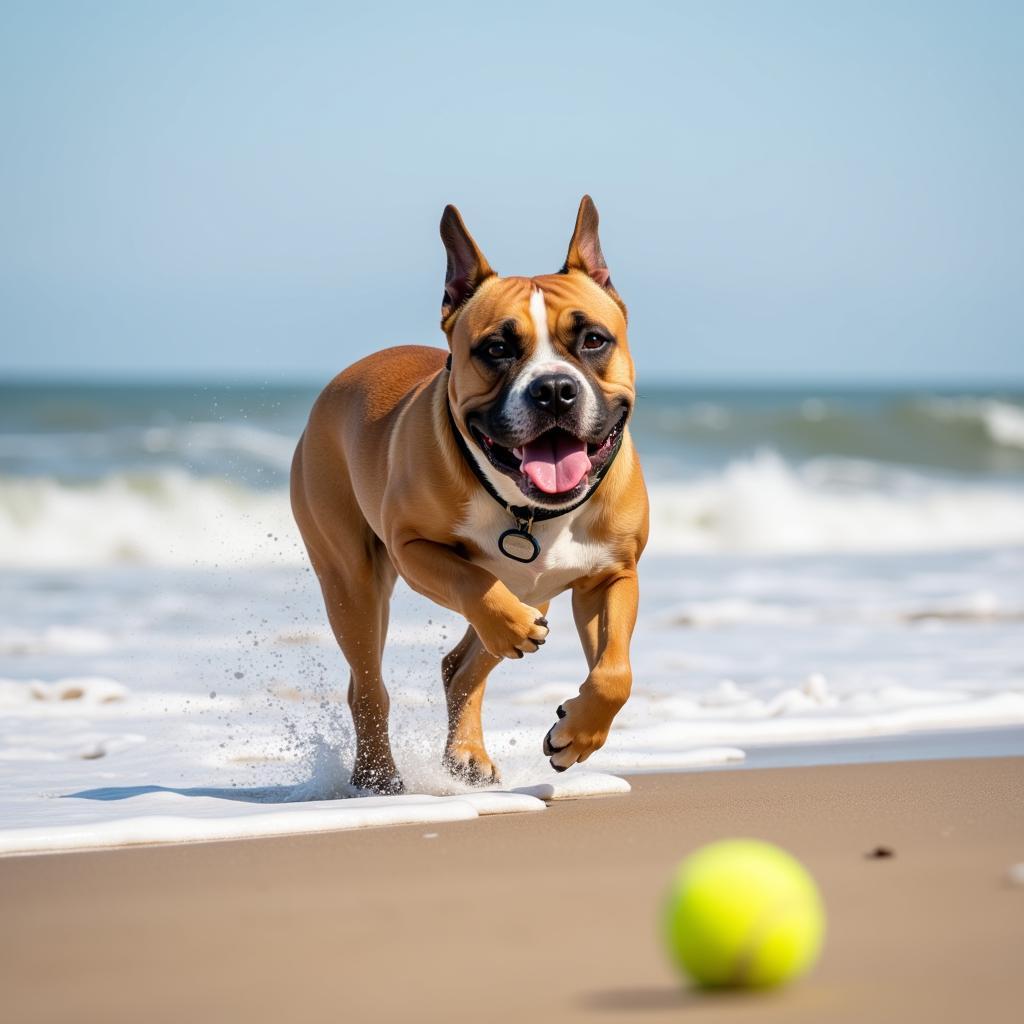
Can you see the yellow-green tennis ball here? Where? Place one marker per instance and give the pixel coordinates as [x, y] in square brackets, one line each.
[744, 913]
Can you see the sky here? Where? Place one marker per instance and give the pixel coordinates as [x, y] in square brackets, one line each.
[789, 192]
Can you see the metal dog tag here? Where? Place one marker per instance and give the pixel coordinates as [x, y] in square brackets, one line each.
[519, 545]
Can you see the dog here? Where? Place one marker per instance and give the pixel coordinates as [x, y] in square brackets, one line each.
[490, 477]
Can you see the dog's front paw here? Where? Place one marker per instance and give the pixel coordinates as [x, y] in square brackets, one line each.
[511, 629]
[582, 727]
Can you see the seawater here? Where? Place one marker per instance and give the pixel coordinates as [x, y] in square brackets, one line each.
[825, 567]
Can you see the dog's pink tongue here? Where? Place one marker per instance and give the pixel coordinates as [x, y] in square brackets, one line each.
[556, 463]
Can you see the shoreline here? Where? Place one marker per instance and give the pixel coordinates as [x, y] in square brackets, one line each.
[923, 745]
[169, 816]
[552, 913]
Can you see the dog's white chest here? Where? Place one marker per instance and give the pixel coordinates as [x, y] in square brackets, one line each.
[566, 553]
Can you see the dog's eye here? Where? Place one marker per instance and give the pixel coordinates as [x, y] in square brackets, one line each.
[593, 341]
[498, 350]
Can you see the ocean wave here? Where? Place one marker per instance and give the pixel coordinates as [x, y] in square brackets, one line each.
[53, 640]
[810, 713]
[979, 435]
[167, 518]
[761, 504]
[243, 451]
[192, 439]
[979, 606]
[764, 504]
[1002, 422]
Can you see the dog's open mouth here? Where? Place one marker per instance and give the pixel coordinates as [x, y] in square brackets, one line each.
[556, 463]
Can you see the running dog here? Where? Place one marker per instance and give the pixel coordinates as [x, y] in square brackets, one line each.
[490, 477]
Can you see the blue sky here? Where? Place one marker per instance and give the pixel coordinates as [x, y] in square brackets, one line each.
[820, 191]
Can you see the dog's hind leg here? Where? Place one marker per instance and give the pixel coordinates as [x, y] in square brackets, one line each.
[357, 600]
[464, 670]
[356, 577]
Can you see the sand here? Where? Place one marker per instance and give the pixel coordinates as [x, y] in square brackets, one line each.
[549, 916]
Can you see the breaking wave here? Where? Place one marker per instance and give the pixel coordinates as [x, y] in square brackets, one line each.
[759, 504]
[1002, 422]
[166, 518]
[763, 504]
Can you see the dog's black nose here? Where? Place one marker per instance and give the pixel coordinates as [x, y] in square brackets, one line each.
[554, 392]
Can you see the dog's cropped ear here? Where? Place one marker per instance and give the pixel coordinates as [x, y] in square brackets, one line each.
[467, 266]
[585, 251]
[585, 248]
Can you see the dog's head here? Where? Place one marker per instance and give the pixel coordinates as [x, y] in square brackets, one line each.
[541, 383]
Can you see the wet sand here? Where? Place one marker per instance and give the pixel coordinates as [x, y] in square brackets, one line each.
[537, 916]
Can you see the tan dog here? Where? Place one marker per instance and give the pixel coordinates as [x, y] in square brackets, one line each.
[489, 484]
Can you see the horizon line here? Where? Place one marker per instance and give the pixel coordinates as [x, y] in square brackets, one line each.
[660, 383]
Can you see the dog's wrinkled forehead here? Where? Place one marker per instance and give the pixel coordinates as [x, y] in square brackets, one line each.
[542, 319]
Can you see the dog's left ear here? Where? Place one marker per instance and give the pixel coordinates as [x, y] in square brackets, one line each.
[467, 266]
[585, 250]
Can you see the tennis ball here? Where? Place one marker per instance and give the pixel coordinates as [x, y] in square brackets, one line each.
[743, 913]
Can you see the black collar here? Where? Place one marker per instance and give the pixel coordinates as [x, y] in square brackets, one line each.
[524, 513]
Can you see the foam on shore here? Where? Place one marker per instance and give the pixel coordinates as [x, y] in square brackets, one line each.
[190, 827]
[167, 816]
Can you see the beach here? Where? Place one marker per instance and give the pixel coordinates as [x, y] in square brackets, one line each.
[554, 914]
[827, 656]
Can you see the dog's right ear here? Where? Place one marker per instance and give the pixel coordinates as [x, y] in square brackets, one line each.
[467, 266]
